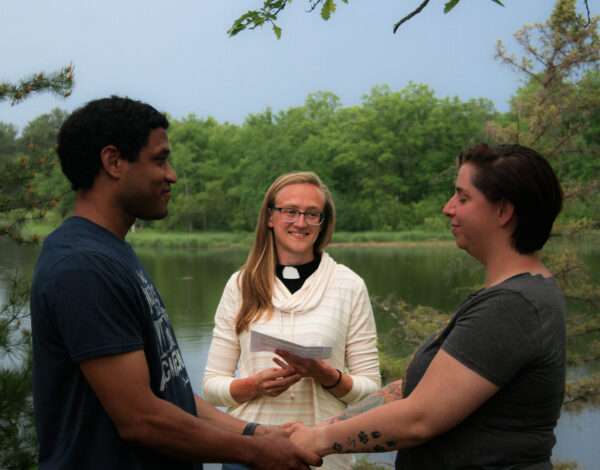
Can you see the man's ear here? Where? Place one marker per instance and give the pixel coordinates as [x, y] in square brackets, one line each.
[111, 160]
[505, 212]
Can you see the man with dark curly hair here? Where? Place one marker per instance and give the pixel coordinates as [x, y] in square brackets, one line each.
[111, 390]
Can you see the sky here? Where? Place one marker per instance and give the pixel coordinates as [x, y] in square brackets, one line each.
[177, 55]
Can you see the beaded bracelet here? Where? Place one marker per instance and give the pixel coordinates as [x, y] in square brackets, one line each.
[337, 382]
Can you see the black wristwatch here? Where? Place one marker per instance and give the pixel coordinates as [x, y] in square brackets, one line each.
[249, 429]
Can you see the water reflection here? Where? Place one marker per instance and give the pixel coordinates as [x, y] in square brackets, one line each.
[577, 437]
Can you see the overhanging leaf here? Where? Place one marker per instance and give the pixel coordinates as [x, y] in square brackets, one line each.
[450, 5]
[328, 9]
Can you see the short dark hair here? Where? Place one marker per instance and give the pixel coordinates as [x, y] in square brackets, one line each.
[521, 176]
[118, 121]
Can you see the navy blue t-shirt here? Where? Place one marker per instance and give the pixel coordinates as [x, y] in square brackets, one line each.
[92, 298]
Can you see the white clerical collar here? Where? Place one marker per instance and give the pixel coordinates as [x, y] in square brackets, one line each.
[290, 272]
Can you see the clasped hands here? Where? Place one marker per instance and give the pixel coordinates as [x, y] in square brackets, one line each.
[308, 438]
[302, 436]
[277, 436]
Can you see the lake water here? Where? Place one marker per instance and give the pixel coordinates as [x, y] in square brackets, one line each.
[439, 275]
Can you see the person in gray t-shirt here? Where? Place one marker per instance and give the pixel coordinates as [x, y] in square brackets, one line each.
[486, 391]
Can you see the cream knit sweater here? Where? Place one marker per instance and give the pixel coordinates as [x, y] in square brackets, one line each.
[331, 309]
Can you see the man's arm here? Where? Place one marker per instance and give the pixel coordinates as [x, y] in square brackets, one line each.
[227, 422]
[122, 384]
[216, 417]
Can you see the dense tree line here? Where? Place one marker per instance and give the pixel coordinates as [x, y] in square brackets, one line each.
[383, 159]
[389, 161]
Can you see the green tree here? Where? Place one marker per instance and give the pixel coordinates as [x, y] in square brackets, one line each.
[8, 140]
[16, 412]
[204, 154]
[556, 111]
[394, 150]
[39, 135]
[549, 111]
[18, 202]
[296, 139]
[31, 179]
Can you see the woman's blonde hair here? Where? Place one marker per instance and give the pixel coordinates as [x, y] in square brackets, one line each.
[258, 273]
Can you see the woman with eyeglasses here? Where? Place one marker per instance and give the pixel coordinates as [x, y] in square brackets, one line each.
[486, 391]
[290, 288]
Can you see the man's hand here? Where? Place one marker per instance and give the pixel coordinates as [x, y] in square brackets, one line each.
[279, 453]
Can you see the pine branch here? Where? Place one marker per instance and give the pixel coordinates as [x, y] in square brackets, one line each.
[60, 83]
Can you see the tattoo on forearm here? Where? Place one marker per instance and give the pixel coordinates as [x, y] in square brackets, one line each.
[393, 391]
[363, 406]
[363, 438]
[389, 393]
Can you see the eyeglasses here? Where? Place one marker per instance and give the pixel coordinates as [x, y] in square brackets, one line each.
[291, 214]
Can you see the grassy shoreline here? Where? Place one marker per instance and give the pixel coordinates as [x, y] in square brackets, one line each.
[151, 238]
[147, 237]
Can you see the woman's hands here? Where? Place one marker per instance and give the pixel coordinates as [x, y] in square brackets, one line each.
[268, 382]
[319, 370]
[276, 380]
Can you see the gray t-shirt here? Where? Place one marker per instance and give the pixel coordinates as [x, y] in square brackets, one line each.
[513, 335]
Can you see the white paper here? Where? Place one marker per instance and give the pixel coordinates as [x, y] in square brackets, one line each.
[263, 342]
